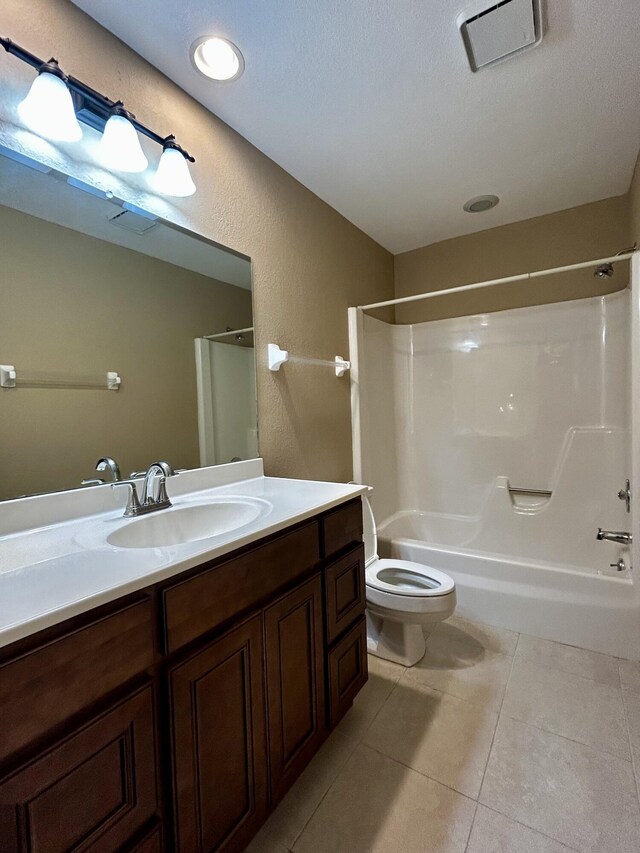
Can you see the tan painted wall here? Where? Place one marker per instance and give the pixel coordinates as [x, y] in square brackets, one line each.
[634, 204]
[80, 305]
[309, 263]
[570, 236]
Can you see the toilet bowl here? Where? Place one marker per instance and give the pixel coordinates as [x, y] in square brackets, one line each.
[405, 600]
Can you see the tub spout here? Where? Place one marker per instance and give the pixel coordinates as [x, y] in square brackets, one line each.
[614, 536]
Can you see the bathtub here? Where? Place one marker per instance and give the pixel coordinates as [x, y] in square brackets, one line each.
[577, 605]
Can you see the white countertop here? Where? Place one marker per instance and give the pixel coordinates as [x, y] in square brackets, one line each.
[52, 572]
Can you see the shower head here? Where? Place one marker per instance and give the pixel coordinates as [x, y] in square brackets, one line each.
[604, 271]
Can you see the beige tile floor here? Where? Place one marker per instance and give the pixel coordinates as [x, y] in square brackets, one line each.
[494, 743]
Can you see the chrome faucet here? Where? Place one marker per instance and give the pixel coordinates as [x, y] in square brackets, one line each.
[149, 497]
[150, 501]
[109, 464]
[614, 536]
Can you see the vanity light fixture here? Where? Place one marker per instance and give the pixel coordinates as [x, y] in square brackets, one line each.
[173, 176]
[120, 147]
[217, 58]
[48, 108]
[56, 103]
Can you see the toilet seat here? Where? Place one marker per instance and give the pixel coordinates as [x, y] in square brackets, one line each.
[398, 580]
[406, 578]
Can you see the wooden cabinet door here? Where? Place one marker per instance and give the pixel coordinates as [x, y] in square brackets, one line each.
[151, 842]
[219, 742]
[295, 682]
[345, 591]
[347, 670]
[90, 792]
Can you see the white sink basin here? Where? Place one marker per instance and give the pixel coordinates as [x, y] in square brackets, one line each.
[180, 525]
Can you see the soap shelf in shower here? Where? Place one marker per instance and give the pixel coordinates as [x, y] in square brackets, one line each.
[527, 500]
[10, 378]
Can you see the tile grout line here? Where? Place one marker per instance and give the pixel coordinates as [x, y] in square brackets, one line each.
[496, 711]
[499, 714]
[474, 705]
[403, 680]
[572, 740]
[477, 705]
[357, 743]
[493, 708]
[636, 773]
[420, 773]
[473, 820]
[506, 716]
[526, 826]
[588, 746]
[377, 713]
[635, 770]
[321, 800]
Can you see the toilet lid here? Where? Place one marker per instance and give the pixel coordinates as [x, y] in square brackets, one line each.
[369, 532]
[404, 577]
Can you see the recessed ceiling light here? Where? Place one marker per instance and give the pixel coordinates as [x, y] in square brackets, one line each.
[217, 58]
[481, 203]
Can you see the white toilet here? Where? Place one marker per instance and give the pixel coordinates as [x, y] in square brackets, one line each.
[405, 600]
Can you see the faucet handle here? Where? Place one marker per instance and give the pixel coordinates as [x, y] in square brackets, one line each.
[133, 504]
[163, 497]
[625, 495]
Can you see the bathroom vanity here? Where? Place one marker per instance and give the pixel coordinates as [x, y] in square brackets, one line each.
[171, 707]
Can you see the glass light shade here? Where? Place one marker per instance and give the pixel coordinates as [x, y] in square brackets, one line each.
[120, 147]
[172, 176]
[217, 58]
[48, 109]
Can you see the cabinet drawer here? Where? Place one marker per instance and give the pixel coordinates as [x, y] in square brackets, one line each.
[42, 688]
[201, 602]
[347, 670]
[345, 591]
[342, 527]
[90, 792]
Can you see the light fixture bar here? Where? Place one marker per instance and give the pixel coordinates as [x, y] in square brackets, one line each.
[92, 108]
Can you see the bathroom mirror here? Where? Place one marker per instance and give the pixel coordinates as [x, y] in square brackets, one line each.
[114, 338]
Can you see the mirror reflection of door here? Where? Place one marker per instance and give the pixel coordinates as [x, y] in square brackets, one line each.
[227, 412]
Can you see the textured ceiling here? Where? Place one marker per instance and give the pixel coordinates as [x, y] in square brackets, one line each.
[371, 104]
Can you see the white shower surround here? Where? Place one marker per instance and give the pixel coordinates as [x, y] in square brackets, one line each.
[448, 414]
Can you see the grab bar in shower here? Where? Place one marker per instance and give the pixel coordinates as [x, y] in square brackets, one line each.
[539, 493]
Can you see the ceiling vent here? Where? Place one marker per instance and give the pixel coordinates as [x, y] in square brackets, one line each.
[494, 31]
[131, 221]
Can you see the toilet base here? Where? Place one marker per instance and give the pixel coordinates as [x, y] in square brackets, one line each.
[399, 642]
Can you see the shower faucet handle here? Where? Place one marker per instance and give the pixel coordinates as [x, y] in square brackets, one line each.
[625, 495]
[619, 565]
